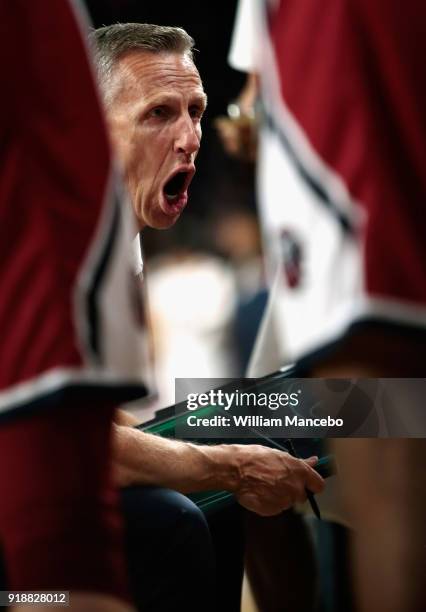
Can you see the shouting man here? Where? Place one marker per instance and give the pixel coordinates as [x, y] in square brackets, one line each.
[155, 101]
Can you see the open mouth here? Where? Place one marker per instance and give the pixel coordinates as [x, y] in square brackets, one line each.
[176, 187]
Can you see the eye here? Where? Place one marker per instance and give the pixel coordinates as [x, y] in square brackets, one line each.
[158, 112]
[196, 112]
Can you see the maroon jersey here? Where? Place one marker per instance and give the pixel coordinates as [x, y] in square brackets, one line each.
[69, 309]
[343, 165]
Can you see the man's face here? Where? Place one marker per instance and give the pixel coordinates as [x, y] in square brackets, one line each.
[155, 120]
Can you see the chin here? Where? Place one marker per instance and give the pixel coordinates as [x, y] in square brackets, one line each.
[162, 222]
[156, 217]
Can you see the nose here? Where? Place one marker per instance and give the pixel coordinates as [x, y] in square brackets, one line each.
[188, 136]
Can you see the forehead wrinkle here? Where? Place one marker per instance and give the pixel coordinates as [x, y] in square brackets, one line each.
[141, 83]
[155, 70]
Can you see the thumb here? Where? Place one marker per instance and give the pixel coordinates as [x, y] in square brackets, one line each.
[311, 461]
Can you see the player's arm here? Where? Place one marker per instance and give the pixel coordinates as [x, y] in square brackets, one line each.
[264, 480]
[122, 417]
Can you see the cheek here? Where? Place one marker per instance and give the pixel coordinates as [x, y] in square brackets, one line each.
[120, 141]
[123, 150]
[136, 161]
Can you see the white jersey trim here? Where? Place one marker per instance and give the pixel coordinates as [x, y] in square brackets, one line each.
[365, 309]
[25, 393]
[276, 108]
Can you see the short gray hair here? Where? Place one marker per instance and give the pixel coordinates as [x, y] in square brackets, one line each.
[110, 43]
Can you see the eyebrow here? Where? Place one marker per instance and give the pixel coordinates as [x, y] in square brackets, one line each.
[203, 98]
[164, 99]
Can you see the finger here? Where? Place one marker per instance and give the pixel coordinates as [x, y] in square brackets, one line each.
[259, 506]
[314, 482]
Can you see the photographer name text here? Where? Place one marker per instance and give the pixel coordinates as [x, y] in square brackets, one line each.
[261, 421]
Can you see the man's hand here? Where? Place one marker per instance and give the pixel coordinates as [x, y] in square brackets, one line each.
[270, 481]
